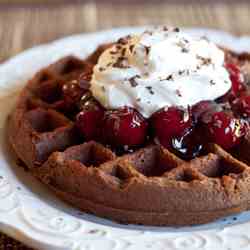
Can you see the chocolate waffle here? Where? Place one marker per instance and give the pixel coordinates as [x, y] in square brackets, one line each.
[149, 186]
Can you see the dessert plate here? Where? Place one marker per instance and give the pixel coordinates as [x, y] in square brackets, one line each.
[33, 215]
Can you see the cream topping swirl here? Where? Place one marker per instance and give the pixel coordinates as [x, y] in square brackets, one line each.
[158, 68]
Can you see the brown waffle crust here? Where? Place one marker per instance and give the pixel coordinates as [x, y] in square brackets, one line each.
[151, 186]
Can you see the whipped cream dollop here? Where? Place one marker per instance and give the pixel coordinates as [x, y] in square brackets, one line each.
[158, 68]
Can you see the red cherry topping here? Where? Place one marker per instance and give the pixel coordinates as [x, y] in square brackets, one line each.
[236, 77]
[124, 127]
[190, 144]
[201, 107]
[242, 106]
[237, 80]
[170, 122]
[225, 130]
[89, 121]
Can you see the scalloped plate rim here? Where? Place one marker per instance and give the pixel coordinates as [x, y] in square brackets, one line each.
[172, 241]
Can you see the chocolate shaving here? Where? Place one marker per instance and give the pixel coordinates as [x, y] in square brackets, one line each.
[176, 29]
[178, 92]
[168, 78]
[212, 82]
[182, 45]
[204, 60]
[184, 50]
[133, 82]
[150, 90]
[147, 49]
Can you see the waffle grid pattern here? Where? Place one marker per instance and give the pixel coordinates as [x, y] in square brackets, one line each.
[150, 186]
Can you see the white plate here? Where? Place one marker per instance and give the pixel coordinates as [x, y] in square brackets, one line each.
[33, 215]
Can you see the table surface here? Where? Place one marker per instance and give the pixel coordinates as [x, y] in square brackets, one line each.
[23, 26]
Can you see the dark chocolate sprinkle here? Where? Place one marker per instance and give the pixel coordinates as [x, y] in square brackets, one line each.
[176, 29]
[184, 50]
[178, 92]
[204, 61]
[147, 49]
[133, 82]
[150, 90]
[170, 78]
[180, 72]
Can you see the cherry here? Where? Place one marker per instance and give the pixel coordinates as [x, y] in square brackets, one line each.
[237, 80]
[203, 106]
[190, 144]
[168, 123]
[124, 127]
[225, 130]
[242, 106]
[89, 121]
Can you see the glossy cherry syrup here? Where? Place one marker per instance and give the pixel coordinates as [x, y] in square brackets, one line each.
[183, 131]
[168, 123]
[124, 127]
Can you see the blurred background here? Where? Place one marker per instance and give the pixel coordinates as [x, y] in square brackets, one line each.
[26, 23]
